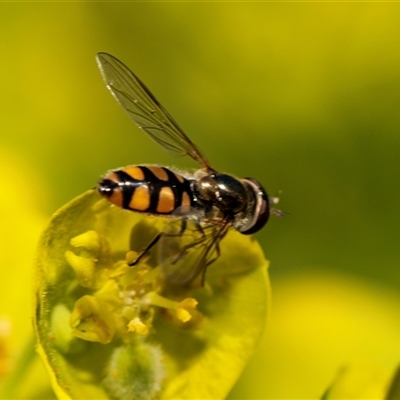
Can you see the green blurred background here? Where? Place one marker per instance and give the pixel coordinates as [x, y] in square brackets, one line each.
[302, 96]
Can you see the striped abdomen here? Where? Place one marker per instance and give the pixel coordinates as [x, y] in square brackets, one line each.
[154, 190]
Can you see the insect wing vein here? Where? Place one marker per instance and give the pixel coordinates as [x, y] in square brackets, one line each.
[144, 109]
[184, 257]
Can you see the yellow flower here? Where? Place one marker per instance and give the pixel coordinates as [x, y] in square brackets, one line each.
[107, 330]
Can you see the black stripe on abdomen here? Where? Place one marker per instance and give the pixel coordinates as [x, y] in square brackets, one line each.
[154, 185]
[129, 186]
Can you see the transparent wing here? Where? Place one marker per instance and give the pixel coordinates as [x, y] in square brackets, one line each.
[185, 251]
[145, 110]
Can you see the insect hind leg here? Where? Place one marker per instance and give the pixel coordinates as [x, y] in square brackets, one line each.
[156, 239]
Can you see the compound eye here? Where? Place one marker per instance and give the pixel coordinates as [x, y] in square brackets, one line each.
[260, 213]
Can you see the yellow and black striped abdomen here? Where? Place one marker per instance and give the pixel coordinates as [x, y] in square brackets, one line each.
[154, 190]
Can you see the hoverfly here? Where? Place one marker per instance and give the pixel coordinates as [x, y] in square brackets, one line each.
[205, 205]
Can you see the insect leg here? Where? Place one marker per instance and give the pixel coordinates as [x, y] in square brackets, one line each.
[143, 252]
[218, 239]
[187, 247]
